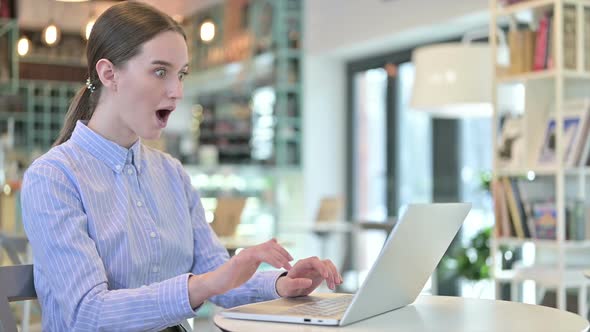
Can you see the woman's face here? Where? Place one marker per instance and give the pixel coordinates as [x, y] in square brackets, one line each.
[150, 84]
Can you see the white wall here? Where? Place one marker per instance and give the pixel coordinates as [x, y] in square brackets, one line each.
[323, 131]
[337, 26]
[337, 31]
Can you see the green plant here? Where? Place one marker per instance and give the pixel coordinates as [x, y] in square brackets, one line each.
[470, 261]
[485, 178]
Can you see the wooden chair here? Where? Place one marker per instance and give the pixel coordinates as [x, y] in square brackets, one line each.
[16, 284]
[329, 213]
[330, 209]
[227, 215]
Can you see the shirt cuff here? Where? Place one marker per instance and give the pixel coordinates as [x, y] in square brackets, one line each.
[173, 299]
[269, 288]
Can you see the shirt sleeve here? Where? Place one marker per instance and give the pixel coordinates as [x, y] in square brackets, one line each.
[210, 254]
[69, 267]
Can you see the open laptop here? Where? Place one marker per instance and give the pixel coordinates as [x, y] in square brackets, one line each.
[408, 258]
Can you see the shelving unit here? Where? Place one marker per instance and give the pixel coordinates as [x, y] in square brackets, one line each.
[8, 53]
[529, 5]
[542, 171]
[546, 92]
[265, 78]
[38, 113]
[542, 75]
[513, 241]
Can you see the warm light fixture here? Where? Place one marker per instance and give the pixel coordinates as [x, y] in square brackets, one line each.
[207, 31]
[88, 28]
[51, 34]
[23, 46]
[455, 79]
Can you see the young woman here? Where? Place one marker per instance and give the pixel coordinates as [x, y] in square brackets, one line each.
[119, 236]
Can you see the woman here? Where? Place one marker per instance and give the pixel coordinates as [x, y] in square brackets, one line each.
[119, 236]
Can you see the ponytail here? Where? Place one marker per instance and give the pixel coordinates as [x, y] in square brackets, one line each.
[81, 108]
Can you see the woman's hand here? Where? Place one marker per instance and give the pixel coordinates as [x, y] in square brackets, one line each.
[237, 270]
[306, 275]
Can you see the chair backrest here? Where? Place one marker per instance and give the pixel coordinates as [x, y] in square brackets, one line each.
[228, 215]
[16, 284]
[330, 209]
[13, 245]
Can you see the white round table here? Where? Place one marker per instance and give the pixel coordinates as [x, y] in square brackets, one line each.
[440, 313]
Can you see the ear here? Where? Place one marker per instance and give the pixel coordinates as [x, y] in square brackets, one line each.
[106, 73]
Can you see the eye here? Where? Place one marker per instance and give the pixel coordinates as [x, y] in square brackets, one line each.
[160, 72]
[182, 75]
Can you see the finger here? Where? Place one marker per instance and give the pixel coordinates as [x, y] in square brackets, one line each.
[337, 276]
[282, 250]
[331, 280]
[317, 265]
[333, 271]
[276, 256]
[262, 255]
[281, 254]
[281, 257]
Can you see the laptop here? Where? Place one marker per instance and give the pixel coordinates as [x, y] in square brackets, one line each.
[409, 256]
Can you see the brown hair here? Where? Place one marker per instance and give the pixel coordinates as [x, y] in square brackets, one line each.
[117, 36]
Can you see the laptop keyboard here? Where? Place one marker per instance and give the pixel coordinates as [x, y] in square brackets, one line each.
[325, 307]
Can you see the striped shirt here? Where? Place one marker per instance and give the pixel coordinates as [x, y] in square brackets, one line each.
[115, 234]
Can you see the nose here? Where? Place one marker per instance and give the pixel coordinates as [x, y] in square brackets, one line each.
[175, 90]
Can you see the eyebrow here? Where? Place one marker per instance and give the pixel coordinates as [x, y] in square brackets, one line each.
[166, 63]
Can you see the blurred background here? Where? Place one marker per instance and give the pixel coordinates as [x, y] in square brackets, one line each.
[316, 122]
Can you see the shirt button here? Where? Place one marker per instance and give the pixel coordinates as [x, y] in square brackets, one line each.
[118, 167]
[129, 171]
[153, 234]
[139, 204]
[155, 269]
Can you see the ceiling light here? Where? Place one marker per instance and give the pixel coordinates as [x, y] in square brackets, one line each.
[455, 79]
[51, 34]
[207, 31]
[23, 46]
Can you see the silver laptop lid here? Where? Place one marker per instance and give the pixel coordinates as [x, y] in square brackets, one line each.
[408, 258]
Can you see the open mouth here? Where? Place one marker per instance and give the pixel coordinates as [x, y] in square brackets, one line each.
[163, 115]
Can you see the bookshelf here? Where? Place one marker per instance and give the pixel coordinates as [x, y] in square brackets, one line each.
[37, 110]
[246, 83]
[542, 75]
[8, 54]
[540, 177]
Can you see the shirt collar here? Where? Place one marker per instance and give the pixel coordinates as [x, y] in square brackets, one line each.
[111, 153]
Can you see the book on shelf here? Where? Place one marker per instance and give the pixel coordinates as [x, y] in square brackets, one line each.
[520, 212]
[579, 149]
[542, 43]
[533, 50]
[569, 37]
[516, 209]
[503, 227]
[522, 48]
